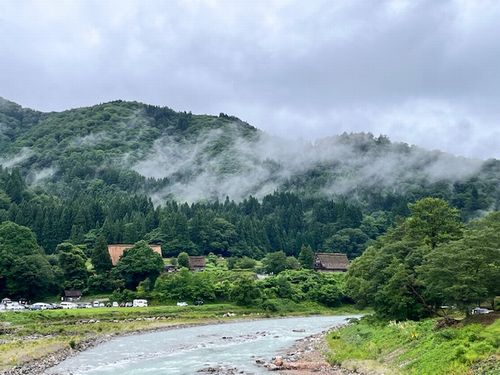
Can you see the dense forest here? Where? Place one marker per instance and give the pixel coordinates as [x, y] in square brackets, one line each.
[124, 172]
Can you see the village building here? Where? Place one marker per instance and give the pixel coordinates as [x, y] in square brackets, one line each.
[331, 262]
[197, 263]
[117, 250]
[169, 268]
[72, 295]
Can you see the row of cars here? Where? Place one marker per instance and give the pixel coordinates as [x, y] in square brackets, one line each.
[8, 305]
[96, 304]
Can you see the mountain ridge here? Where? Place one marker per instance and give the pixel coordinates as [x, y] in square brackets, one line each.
[179, 155]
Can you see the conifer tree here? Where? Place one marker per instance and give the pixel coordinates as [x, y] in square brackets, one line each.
[100, 256]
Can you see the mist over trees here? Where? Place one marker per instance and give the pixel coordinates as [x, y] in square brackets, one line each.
[125, 172]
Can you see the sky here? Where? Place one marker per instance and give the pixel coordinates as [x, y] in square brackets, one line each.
[421, 72]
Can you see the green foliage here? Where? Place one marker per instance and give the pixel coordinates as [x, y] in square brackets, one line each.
[24, 270]
[245, 291]
[428, 261]
[385, 276]
[306, 257]
[433, 221]
[246, 263]
[183, 260]
[72, 263]
[137, 264]
[413, 347]
[465, 272]
[276, 262]
[101, 259]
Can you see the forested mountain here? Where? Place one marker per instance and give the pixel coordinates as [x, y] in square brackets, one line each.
[127, 169]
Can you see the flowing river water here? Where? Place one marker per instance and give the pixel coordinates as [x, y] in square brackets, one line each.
[187, 350]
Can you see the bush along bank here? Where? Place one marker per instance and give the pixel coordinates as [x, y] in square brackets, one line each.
[424, 347]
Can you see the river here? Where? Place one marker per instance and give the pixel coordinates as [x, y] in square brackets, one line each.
[185, 351]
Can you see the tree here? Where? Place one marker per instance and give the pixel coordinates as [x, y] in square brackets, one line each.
[306, 257]
[275, 262]
[137, 264]
[101, 259]
[348, 241]
[245, 291]
[292, 263]
[72, 262]
[183, 260]
[465, 272]
[24, 270]
[386, 276]
[433, 221]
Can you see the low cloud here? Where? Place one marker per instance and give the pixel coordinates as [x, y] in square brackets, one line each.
[200, 169]
[22, 155]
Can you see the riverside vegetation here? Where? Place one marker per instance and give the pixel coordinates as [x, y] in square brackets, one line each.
[420, 227]
[429, 265]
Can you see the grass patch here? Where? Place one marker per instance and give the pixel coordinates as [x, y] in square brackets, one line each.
[417, 347]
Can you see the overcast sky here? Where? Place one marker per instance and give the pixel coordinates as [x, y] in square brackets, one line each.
[423, 72]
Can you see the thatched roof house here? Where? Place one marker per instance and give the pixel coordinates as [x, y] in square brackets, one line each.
[72, 295]
[197, 263]
[117, 250]
[331, 262]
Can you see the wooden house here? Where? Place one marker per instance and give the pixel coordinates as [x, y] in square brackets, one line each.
[197, 263]
[72, 295]
[331, 262]
[117, 250]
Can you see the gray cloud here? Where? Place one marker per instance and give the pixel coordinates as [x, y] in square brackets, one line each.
[425, 72]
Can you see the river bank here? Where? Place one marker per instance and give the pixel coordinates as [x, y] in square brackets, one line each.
[469, 346]
[50, 360]
[306, 356]
[32, 342]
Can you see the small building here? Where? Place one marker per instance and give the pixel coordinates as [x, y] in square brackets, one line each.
[72, 295]
[117, 250]
[197, 263]
[169, 268]
[331, 262]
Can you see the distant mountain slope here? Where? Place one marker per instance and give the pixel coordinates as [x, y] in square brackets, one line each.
[141, 148]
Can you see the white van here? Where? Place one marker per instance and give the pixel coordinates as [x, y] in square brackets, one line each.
[68, 305]
[140, 303]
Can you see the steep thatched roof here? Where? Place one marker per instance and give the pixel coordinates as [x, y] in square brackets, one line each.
[196, 262]
[117, 250]
[72, 293]
[331, 262]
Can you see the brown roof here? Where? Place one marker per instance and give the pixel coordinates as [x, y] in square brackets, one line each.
[73, 293]
[196, 262]
[331, 262]
[117, 250]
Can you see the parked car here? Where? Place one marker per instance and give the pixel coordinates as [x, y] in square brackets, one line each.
[15, 306]
[480, 310]
[198, 302]
[140, 303]
[68, 305]
[95, 304]
[115, 304]
[182, 304]
[129, 304]
[41, 306]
